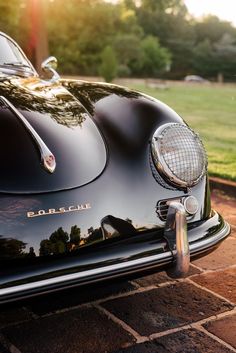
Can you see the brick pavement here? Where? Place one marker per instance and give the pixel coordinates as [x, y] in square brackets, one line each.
[154, 314]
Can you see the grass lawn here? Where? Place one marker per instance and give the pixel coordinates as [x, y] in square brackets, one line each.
[211, 111]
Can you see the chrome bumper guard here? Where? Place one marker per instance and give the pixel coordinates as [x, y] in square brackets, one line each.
[177, 239]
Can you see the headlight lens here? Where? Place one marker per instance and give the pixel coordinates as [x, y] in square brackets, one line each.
[179, 154]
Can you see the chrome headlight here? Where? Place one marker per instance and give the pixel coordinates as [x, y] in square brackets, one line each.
[179, 154]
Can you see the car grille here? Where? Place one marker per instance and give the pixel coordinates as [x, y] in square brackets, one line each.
[163, 206]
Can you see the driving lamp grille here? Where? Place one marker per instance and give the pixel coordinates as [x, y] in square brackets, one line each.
[179, 154]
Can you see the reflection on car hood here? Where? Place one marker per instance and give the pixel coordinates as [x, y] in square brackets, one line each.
[65, 127]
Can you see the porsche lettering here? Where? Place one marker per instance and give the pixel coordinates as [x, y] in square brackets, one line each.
[60, 210]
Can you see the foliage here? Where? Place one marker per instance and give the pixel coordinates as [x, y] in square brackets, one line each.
[156, 59]
[11, 247]
[219, 57]
[59, 242]
[203, 60]
[108, 67]
[59, 235]
[212, 28]
[9, 21]
[144, 37]
[86, 27]
[75, 235]
[141, 57]
[225, 52]
[127, 48]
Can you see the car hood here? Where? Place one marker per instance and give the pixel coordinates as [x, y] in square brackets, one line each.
[62, 123]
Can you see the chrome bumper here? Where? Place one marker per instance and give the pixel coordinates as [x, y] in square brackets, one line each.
[178, 257]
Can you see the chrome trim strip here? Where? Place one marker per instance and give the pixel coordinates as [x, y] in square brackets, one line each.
[84, 274]
[167, 256]
[47, 158]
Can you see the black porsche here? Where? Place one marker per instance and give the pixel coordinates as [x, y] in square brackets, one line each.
[97, 181]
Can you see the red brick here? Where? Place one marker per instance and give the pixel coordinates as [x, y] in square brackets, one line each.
[76, 296]
[161, 277]
[13, 315]
[225, 205]
[222, 257]
[187, 341]
[84, 330]
[224, 328]
[166, 307]
[221, 282]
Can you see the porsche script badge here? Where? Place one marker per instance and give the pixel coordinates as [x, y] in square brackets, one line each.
[60, 210]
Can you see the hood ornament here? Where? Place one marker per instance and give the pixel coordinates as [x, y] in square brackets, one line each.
[47, 158]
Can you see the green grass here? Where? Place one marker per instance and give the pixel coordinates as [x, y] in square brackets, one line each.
[211, 111]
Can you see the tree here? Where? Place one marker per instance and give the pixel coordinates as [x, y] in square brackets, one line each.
[75, 235]
[174, 6]
[59, 235]
[86, 28]
[46, 248]
[109, 66]
[31, 253]
[167, 20]
[11, 247]
[9, 18]
[125, 27]
[94, 234]
[56, 244]
[59, 240]
[128, 52]
[156, 59]
[225, 53]
[204, 59]
[59, 247]
[212, 28]
[212, 59]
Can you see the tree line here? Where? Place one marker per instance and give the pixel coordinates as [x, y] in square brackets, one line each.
[130, 38]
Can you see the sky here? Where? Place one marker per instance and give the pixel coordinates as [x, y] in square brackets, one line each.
[224, 9]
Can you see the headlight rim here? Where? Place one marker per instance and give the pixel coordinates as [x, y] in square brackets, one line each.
[161, 164]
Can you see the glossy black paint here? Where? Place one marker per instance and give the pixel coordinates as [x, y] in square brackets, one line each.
[99, 207]
[66, 128]
[122, 197]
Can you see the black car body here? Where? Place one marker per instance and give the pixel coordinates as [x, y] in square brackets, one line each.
[97, 181]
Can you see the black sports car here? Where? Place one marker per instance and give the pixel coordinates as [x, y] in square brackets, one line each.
[97, 181]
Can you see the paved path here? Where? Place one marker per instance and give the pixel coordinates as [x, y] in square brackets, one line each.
[150, 315]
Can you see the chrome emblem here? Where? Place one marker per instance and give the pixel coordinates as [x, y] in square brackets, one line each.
[49, 162]
[52, 211]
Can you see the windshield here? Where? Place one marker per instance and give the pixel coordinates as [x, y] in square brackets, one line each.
[11, 56]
